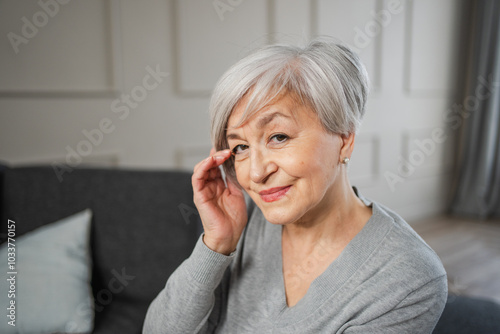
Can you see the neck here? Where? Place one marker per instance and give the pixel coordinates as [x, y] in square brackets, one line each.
[335, 221]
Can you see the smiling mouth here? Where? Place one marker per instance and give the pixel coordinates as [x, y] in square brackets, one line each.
[274, 194]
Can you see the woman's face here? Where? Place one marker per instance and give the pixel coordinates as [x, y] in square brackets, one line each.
[286, 161]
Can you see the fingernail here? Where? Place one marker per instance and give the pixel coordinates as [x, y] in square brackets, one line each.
[218, 157]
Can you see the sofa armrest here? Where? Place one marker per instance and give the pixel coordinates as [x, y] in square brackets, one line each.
[465, 315]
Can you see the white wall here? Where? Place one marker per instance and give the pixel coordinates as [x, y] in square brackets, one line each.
[69, 73]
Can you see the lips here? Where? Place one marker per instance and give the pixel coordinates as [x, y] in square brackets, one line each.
[274, 194]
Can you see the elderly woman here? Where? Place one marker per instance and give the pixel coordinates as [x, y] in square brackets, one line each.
[304, 252]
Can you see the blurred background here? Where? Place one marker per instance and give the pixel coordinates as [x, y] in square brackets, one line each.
[126, 84]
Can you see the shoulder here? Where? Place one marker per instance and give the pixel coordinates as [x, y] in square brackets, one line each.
[398, 248]
[404, 252]
[395, 269]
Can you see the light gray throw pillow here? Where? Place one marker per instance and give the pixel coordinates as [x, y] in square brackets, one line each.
[52, 284]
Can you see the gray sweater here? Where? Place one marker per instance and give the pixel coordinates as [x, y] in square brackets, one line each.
[386, 280]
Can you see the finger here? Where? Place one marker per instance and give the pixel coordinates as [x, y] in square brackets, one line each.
[212, 151]
[214, 173]
[221, 156]
[201, 171]
[219, 174]
[198, 165]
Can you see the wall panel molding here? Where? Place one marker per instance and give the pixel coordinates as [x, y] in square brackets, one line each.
[106, 158]
[364, 168]
[199, 60]
[432, 45]
[426, 156]
[313, 17]
[349, 21]
[186, 157]
[112, 59]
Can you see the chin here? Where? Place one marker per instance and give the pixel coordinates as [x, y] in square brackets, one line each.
[279, 212]
[278, 216]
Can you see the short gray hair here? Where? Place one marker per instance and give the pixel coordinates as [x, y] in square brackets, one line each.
[327, 76]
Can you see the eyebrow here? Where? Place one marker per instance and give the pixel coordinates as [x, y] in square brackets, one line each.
[261, 123]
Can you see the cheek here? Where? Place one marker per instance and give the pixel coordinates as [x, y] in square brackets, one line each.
[242, 174]
[310, 161]
[316, 166]
[296, 166]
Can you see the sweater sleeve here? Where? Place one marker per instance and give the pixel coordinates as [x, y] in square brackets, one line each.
[418, 313]
[187, 300]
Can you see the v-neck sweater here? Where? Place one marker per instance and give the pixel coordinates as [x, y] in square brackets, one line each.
[386, 280]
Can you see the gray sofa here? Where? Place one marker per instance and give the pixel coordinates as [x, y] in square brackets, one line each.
[143, 222]
[146, 222]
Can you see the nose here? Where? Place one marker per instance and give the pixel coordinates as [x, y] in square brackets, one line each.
[261, 165]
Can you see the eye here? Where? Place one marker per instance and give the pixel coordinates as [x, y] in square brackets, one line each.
[238, 149]
[279, 138]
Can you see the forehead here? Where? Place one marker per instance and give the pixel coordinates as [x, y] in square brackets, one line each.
[285, 105]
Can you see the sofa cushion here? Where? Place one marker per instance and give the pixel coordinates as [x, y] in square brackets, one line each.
[144, 225]
[50, 280]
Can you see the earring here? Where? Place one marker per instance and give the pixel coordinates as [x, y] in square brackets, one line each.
[345, 160]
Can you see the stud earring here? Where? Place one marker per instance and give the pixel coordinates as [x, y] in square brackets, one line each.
[345, 160]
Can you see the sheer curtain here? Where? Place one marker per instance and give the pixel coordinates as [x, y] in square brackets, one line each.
[477, 191]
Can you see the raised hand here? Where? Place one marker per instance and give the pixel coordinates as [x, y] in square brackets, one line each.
[222, 209]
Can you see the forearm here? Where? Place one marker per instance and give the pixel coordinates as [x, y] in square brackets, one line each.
[187, 300]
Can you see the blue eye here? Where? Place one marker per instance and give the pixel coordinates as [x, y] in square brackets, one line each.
[279, 138]
[239, 149]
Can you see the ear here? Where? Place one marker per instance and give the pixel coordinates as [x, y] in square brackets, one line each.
[347, 146]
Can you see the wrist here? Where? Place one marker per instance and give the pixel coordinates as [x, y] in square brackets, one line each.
[225, 248]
